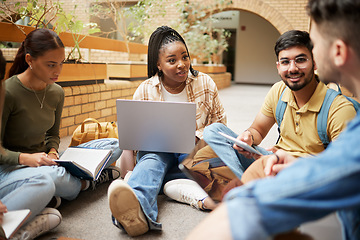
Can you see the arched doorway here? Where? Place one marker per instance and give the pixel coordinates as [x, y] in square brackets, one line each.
[251, 57]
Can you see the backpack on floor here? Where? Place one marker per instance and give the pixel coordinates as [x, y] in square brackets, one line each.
[214, 174]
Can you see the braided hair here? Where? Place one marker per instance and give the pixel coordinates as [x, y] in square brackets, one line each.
[159, 38]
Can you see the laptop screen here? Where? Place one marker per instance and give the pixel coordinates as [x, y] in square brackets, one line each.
[156, 126]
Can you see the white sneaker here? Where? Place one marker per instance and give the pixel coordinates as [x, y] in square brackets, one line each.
[126, 209]
[127, 176]
[186, 191]
[45, 221]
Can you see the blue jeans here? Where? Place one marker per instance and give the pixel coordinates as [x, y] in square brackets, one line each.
[309, 189]
[32, 188]
[224, 148]
[147, 178]
[25, 189]
[105, 143]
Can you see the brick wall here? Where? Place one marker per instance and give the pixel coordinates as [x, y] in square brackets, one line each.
[98, 100]
[282, 14]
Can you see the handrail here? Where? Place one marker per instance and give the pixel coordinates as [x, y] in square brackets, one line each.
[9, 32]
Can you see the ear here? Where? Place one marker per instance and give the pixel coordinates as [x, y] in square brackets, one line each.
[315, 66]
[278, 67]
[28, 59]
[339, 52]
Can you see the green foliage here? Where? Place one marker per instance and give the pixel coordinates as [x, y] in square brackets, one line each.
[143, 15]
[196, 25]
[48, 14]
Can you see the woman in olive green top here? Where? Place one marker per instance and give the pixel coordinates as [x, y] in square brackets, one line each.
[32, 191]
[29, 178]
[32, 112]
[30, 128]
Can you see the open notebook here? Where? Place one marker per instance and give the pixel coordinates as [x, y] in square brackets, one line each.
[13, 220]
[85, 163]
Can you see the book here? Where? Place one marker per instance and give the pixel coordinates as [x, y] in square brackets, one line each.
[13, 220]
[241, 144]
[85, 163]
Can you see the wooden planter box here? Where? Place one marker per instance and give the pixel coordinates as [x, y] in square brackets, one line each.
[207, 68]
[127, 71]
[82, 74]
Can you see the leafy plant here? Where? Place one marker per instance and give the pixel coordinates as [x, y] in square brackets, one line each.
[116, 13]
[47, 14]
[143, 14]
[196, 24]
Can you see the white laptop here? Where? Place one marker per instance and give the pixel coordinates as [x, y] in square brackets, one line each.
[156, 126]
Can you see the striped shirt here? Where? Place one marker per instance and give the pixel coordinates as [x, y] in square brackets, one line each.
[201, 90]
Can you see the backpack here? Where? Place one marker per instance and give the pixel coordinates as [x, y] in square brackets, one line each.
[213, 172]
[322, 116]
[91, 129]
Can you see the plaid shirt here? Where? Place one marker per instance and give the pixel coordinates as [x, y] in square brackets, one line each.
[201, 90]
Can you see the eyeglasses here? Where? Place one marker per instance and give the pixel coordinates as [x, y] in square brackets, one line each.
[300, 62]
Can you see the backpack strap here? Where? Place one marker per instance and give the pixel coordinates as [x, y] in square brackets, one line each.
[324, 113]
[280, 109]
[279, 112]
[322, 117]
[355, 103]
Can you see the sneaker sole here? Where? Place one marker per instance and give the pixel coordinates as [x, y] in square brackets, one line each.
[125, 207]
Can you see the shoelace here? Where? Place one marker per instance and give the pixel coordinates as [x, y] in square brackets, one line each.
[189, 198]
[32, 230]
[104, 177]
[38, 227]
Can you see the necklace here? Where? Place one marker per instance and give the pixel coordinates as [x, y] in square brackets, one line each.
[41, 102]
[175, 88]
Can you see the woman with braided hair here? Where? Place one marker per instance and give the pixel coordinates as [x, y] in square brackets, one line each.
[171, 78]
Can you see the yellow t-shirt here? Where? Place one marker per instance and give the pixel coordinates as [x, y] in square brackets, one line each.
[298, 130]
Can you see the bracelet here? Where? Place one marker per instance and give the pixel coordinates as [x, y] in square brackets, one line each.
[54, 152]
[252, 137]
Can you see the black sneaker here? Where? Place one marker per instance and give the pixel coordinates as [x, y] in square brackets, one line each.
[55, 202]
[108, 174]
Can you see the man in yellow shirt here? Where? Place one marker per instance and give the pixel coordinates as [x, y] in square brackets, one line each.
[303, 94]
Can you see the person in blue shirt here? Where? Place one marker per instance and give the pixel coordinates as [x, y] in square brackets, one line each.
[326, 183]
